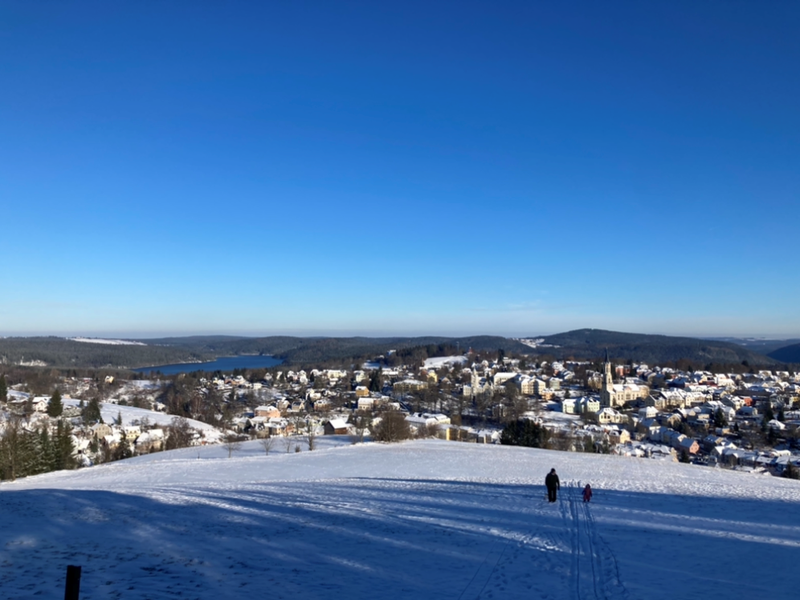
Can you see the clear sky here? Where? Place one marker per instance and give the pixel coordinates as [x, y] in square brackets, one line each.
[513, 168]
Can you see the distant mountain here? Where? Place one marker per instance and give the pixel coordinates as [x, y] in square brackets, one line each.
[760, 345]
[298, 350]
[67, 353]
[307, 351]
[787, 354]
[652, 349]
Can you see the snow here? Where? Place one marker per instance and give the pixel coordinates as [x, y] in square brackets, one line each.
[107, 342]
[440, 361]
[423, 519]
[129, 415]
[110, 412]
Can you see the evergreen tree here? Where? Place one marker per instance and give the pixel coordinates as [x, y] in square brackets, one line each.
[55, 406]
[769, 414]
[122, 451]
[91, 412]
[63, 448]
[10, 448]
[3, 389]
[719, 418]
[47, 458]
[524, 432]
[29, 455]
[375, 384]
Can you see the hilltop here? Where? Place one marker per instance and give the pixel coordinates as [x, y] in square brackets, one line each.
[585, 344]
[424, 519]
[652, 349]
[789, 354]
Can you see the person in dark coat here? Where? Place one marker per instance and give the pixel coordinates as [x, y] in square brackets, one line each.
[552, 484]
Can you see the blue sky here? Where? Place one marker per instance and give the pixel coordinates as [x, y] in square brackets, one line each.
[513, 168]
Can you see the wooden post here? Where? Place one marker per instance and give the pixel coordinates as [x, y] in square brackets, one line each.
[73, 589]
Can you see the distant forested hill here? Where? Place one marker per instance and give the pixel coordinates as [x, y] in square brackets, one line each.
[651, 349]
[67, 353]
[762, 346]
[787, 354]
[297, 350]
[581, 344]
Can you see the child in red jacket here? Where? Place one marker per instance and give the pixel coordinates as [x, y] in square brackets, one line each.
[587, 493]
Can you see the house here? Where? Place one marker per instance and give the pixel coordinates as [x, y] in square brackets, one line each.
[101, 430]
[609, 415]
[526, 386]
[279, 427]
[269, 412]
[322, 405]
[568, 406]
[335, 374]
[150, 441]
[131, 432]
[362, 391]
[410, 385]
[298, 406]
[648, 412]
[241, 424]
[501, 378]
[366, 403]
[336, 427]
[540, 387]
[618, 436]
[587, 405]
[419, 421]
[689, 445]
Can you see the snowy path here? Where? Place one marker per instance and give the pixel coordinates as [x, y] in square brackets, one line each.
[595, 570]
[424, 520]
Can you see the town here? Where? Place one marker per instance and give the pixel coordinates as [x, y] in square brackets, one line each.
[738, 420]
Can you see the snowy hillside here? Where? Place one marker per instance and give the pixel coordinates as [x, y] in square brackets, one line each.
[129, 414]
[417, 520]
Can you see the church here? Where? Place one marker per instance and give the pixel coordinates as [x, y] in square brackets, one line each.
[616, 394]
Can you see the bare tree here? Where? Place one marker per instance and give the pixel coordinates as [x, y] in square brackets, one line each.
[232, 443]
[179, 434]
[267, 443]
[362, 421]
[311, 435]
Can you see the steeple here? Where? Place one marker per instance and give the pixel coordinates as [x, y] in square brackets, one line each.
[607, 389]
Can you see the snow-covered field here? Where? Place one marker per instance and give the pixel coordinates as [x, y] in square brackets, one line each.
[441, 361]
[130, 415]
[425, 519]
[107, 342]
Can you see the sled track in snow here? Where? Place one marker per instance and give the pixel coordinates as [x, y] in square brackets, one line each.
[594, 570]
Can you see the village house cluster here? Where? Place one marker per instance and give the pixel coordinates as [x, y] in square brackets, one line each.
[733, 420]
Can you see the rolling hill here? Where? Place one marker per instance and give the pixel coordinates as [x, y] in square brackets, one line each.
[313, 351]
[652, 349]
[787, 354]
